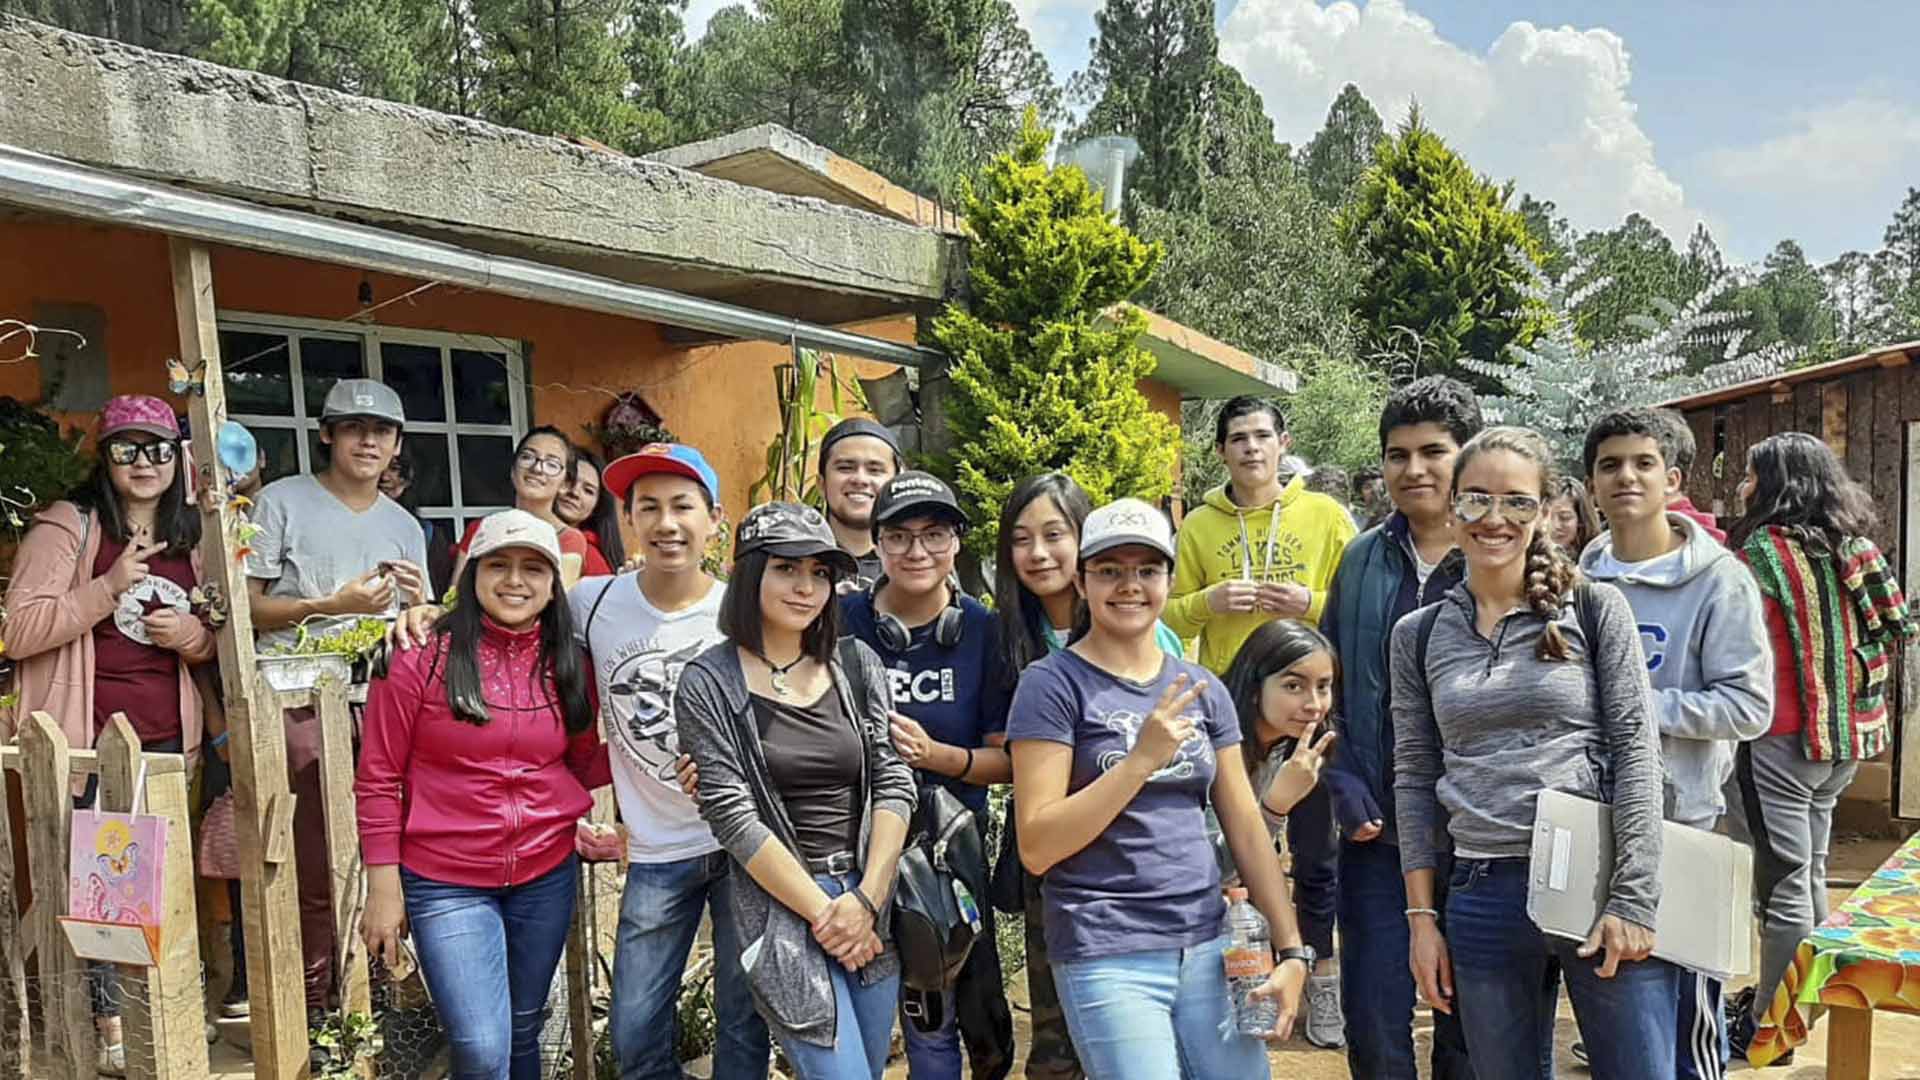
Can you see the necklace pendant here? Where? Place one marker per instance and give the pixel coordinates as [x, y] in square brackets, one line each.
[778, 680]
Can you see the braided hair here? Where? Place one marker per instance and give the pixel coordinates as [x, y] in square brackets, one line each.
[1550, 573]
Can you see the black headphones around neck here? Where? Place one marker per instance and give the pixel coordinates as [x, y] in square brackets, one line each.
[893, 633]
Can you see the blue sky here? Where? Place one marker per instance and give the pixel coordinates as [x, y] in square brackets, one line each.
[1766, 119]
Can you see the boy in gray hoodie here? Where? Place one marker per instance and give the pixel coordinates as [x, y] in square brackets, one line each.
[1701, 629]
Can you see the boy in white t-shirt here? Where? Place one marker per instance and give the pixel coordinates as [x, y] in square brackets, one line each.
[641, 629]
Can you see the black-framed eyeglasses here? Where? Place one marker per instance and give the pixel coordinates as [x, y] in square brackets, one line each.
[539, 464]
[935, 540]
[1473, 507]
[126, 452]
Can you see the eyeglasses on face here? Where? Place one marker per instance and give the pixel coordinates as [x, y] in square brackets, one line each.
[126, 452]
[539, 464]
[1115, 576]
[934, 540]
[1473, 507]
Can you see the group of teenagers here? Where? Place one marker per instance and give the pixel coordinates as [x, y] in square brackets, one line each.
[1359, 742]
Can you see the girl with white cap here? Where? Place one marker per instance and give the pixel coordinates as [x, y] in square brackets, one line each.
[479, 752]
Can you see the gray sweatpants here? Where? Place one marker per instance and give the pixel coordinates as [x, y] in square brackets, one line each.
[1789, 811]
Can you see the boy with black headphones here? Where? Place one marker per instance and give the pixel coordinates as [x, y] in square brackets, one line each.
[949, 722]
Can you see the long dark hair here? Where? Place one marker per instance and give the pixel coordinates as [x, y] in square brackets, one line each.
[741, 618]
[1551, 575]
[173, 520]
[1589, 524]
[603, 521]
[1268, 651]
[1800, 485]
[559, 655]
[1023, 619]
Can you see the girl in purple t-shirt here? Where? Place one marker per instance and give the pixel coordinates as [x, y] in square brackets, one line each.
[1117, 748]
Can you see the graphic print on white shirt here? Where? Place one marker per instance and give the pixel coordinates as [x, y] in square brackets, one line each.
[639, 703]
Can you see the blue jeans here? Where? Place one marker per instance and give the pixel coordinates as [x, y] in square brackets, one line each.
[659, 916]
[1376, 986]
[864, 1032]
[1158, 1015]
[488, 956]
[1505, 992]
[1704, 1049]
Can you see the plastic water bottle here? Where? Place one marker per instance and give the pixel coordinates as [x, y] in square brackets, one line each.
[1249, 959]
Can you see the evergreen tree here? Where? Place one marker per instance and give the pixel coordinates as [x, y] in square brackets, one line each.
[255, 34]
[1552, 235]
[1041, 379]
[1788, 302]
[1444, 262]
[150, 24]
[1343, 151]
[1152, 63]
[555, 67]
[779, 61]
[1643, 266]
[1902, 239]
[655, 54]
[376, 48]
[1236, 132]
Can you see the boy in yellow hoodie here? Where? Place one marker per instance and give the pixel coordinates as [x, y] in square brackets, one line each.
[1254, 550]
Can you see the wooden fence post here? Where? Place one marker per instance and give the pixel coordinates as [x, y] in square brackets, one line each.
[343, 844]
[46, 774]
[166, 1028]
[16, 1031]
[262, 801]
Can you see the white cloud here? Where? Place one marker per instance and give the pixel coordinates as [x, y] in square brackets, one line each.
[1547, 107]
[698, 14]
[1851, 148]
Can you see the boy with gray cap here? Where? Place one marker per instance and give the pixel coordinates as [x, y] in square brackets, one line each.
[330, 549]
[857, 458]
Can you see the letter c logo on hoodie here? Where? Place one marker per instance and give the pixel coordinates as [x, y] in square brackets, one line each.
[1653, 642]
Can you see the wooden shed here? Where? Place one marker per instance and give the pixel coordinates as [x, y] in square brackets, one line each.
[1867, 408]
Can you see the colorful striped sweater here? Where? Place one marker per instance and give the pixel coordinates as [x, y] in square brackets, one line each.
[1842, 612]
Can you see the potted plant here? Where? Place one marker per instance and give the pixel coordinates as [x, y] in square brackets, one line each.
[301, 664]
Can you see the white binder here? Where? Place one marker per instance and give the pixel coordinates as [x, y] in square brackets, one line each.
[1705, 918]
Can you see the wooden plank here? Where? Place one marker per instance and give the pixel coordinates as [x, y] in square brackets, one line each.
[166, 1023]
[87, 762]
[1889, 456]
[1833, 417]
[1700, 481]
[16, 1032]
[1907, 738]
[1849, 1043]
[67, 1015]
[269, 894]
[1806, 408]
[1859, 457]
[343, 847]
[1735, 468]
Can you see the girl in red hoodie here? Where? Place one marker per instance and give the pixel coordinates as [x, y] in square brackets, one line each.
[478, 754]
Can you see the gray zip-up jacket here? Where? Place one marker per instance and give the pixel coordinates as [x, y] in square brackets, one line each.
[738, 802]
[1488, 726]
[1705, 636]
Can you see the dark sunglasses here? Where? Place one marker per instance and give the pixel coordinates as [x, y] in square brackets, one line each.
[1473, 506]
[124, 452]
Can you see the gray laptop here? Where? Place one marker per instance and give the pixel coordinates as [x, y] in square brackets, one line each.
[1705, 919]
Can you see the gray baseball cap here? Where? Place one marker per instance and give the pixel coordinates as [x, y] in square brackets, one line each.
[370, 398]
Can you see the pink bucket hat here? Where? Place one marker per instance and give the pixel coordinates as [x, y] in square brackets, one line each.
[138, 412]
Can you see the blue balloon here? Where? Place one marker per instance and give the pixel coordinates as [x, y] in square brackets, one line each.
[237, 449]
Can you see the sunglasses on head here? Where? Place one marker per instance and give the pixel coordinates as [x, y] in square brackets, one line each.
[1474, 506]
[126, 452]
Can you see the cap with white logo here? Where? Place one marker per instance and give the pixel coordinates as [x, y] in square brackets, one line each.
[363, 397]
[515, 528]
[1125, 522]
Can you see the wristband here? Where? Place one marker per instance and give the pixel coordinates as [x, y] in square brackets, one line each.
[1412, 911]
[217, 741]
[860, 894]
[968, 767]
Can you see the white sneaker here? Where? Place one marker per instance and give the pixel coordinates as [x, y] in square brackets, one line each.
[112, 1060]
[1326, 1024]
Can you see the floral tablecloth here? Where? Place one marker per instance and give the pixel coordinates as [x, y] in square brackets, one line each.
[1865, 956]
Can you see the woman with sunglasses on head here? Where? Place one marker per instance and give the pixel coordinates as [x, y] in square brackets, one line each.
[98, 617]
[1118, 749]
[799, 780]
[541, 463]
[479, 753]
[1521, 679]
[587, 505]
[1834, 613]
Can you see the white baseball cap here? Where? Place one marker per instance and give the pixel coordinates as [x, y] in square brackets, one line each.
[1125, 522]
[515, 528]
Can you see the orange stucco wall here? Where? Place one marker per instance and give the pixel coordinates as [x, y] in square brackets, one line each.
[717, 397]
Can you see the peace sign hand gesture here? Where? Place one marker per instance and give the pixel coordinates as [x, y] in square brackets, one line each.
[1167, 728]
[130, 568]
[1300, 773]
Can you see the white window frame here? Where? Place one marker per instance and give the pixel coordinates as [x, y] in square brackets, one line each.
[371, 338]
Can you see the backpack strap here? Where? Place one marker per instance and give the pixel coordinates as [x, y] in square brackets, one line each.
[1423, 634]
[586, 628]
[1583, 610]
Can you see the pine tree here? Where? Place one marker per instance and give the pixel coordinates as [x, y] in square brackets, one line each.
[1148, 78]
[656, 52]
[555, 67]
[1903, 238]
[1342, 152]
[1444, 261]
[255, 34]
[1040, 380]
[1558, 384]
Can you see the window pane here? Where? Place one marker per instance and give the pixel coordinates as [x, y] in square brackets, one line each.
[282, 450]
[480, 387]
[256, 370]
[414, 372]
[325, 361]
[486, 464]
[316, 454]
[432, 485]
